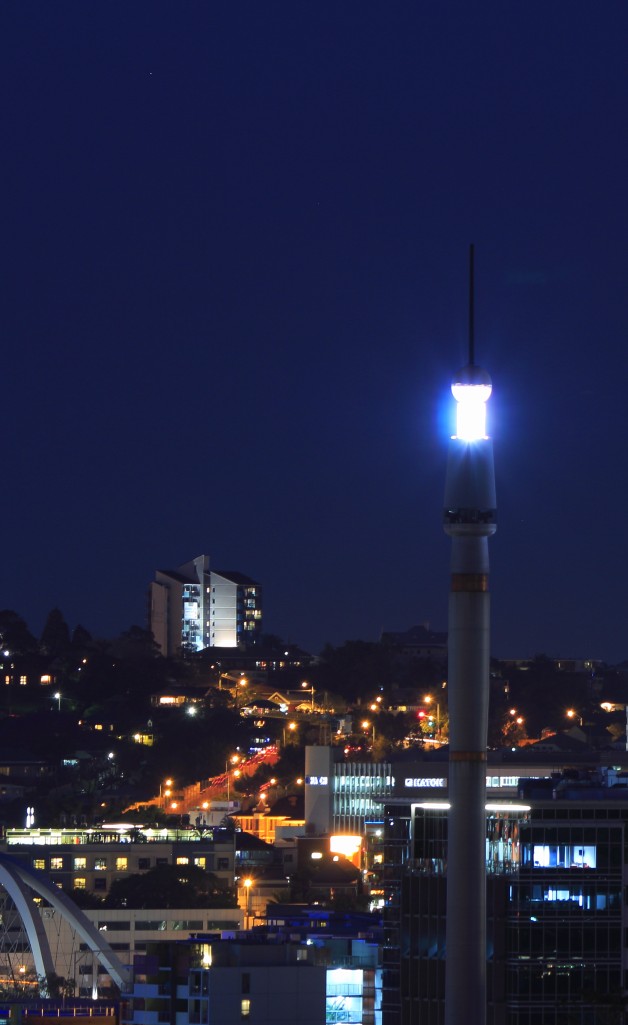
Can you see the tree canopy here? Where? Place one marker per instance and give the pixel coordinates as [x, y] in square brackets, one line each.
[171, 886]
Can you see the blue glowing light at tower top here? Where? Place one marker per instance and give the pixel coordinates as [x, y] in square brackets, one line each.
[471, 389]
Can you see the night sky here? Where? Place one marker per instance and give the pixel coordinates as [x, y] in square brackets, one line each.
[234, 292]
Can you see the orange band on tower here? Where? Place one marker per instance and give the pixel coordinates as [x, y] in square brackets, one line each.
[469, 581]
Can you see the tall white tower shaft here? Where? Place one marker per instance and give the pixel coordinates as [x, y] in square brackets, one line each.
[469, 519]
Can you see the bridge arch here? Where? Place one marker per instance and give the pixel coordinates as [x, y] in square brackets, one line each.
[18, 880]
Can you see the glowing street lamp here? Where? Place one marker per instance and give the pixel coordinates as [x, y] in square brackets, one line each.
[165, 790]
[291, 726]
[240, 685]
[572, 714]
[57, 697]
[366, 725]
[234, 759]
[428, 699]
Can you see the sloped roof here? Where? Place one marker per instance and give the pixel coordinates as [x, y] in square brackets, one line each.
[235, 576]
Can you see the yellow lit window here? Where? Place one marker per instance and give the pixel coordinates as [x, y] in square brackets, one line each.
[245, 1007]
[56, 864]
[79, 882]
[80, 863]
[201, 862]
[98, 726]
[122, 864]
[23, 681]
[7, 680]
[39, 863]
[46, 679]
[183, 861]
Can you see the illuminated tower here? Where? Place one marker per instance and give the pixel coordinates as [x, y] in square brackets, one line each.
[469, 519]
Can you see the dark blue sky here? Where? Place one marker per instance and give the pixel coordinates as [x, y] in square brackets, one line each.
[234, 282]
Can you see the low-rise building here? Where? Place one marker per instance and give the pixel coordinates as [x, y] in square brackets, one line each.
[224, 982]
[92, 859]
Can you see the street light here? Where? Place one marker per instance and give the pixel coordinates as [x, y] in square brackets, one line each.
[307, 687]
[572, 714]
[428, 701]
[291, 727]
[241, 683]
[163, 793]
[57, 697]
[366, 725]
[234, 759]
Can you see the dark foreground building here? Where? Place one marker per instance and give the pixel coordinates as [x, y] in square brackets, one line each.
[557, 902]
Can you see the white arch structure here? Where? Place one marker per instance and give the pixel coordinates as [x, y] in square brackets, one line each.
[17, 879]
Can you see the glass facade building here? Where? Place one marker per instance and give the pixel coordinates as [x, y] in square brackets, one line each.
[557, 902]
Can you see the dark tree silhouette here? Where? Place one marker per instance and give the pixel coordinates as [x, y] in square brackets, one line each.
[170, 886]
[15, 635]
[55, 637]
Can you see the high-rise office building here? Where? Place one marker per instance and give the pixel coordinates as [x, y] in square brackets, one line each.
[556, 873]
[194, 607]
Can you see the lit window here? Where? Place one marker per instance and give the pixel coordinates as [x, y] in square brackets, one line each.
[100, 864]
[56, 864]
[79, 882]
[183, 861]
[245, 1007]
[122, 864]
[39, 863]
[46, 679]
[7, 680]
[80, 863]
[23, 681]
[201, 862]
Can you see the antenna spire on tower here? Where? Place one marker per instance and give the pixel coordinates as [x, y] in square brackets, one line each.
[471, 310]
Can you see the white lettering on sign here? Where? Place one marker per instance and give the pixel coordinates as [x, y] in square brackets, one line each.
[425, 782]
[317, 781]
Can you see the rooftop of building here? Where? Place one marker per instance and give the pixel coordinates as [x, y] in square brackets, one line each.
[115, 833]
[236, 577]
[181, 578]
[420, 635]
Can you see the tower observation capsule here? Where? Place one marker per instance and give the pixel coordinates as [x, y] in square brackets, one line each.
[469, 519]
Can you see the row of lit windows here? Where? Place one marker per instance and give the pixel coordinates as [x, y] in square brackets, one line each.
[567, 899]
[59, 862]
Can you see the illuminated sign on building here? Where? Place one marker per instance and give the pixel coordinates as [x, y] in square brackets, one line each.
[491, 781]
[317, 781]
[423, 781]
